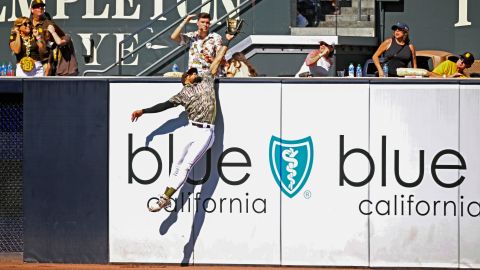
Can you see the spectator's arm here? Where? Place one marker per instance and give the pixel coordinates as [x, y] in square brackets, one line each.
[176, 34]
[414, 56]
[42, 48]
[58, 40]
[48, 69]
[16, 43]
[376, 56]
[313, 57]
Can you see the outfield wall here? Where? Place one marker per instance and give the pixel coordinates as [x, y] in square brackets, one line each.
[380, 173]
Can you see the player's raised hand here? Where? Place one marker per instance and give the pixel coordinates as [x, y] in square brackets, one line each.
[136, 114]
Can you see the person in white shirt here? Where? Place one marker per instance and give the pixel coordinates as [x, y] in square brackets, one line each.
[318, 62]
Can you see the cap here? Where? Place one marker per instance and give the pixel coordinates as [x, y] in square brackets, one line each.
[400, 25]
[467, 58]
[190, 71]
[35, 3]
[330, 47]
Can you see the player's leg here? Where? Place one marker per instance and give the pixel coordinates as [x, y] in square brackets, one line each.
[196, 150]
[191, 153]
[163, 200]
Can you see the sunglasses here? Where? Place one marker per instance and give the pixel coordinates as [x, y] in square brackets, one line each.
[25, 24]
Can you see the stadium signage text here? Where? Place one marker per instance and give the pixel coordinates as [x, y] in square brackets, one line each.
[434, 166]
[400, 204]
[103, 11]
[95, 9]
[220, 164]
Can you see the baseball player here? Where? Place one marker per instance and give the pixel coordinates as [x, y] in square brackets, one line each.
[198, 98]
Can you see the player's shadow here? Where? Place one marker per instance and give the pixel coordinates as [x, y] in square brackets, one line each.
[205, 166]
[168, 127]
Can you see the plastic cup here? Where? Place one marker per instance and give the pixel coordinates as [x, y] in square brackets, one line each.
[341, 73]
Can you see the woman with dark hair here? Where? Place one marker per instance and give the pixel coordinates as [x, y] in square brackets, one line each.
[27, 45]
[397, 50]
[238, 66]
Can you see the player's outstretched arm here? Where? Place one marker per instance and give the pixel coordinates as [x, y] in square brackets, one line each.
[160, 107]
[220, 54]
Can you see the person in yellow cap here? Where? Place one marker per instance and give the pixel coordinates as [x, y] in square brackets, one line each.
[450, 69]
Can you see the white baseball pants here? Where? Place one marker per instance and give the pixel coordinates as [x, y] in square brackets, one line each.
[201, 139]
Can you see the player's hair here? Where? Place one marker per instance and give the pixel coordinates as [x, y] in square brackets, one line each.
[190, 71]
[184, 77]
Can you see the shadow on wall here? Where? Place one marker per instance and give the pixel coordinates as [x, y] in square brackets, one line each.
[207, 182]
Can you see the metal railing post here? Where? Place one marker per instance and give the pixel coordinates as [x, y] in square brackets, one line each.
[359, 10]
[120, 50]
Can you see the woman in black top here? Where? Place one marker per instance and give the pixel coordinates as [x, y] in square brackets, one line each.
[398, 51]
[27, 45]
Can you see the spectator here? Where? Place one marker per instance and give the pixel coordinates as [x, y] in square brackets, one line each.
[309, 10]
[301, 21]
[59, 58]
[318, 62]
[203, 45]
[27, 45]
[450, 69]
[398, 51]
[62, 60]
[238, 66]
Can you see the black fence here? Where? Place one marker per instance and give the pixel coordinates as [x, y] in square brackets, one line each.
[11, 158]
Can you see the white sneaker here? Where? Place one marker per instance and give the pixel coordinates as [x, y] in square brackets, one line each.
[162, 202]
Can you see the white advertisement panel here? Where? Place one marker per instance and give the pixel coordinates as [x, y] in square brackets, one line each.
[318, 174]
[321, 224]
[470, 188]
[248, 114]
[233, 217]
[139, 165]
[413, 196]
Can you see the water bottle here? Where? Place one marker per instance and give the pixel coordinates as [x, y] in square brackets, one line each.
[175, 68]
[351, 70]
[3, 69]
[10, 71]
[359, 71]
[385, 70]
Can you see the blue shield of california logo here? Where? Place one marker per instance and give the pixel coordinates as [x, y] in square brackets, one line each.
[291, 163]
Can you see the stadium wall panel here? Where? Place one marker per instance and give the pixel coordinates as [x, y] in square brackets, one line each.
[370, 158]
[65, 170]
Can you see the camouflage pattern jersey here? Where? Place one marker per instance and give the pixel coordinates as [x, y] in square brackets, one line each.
[199, 100]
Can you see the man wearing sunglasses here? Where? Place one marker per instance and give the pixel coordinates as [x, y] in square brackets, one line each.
[449, 69]
[54, 36]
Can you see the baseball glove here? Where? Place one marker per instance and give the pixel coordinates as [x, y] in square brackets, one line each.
[234, 26]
